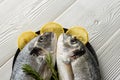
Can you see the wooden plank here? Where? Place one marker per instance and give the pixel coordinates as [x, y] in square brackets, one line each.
[18, 16]
[99, 17]
[5, 70]
[109, 57]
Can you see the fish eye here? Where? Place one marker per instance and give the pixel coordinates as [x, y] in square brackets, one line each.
[73, 41]
[41, 38]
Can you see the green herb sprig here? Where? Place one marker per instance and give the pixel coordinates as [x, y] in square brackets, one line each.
[30, 71]
[51, 66]
[33, 73]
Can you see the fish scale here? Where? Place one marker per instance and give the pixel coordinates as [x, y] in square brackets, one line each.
[76, 61]
[34, 54]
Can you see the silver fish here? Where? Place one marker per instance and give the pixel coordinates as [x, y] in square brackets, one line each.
[34, 54]
[75, 61]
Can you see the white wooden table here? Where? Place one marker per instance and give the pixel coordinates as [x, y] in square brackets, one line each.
[101, 18]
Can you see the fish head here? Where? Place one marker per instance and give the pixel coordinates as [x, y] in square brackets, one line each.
[72, 47]
[45, 42]
[34, 54]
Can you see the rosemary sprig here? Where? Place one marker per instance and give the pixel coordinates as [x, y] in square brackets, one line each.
[28, 70]
[33, 73]
[51, 66]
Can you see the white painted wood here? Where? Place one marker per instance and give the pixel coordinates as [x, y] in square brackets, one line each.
[101, 18]
[5, 70]
[109, 57]
[19, 16]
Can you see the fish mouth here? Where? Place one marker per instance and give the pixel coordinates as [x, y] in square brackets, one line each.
[51, 34]
[54, 39]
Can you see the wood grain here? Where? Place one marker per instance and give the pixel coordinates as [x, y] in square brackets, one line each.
[101, 18]
[5, 70]
[109, 57]
[102, 22]
[25, 15]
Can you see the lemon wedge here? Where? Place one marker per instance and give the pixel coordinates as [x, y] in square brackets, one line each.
[79, 32]
[24, 38]
[52, 27]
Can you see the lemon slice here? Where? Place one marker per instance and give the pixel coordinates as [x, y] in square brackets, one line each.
[52, 27]
[24, 38]
[79, 32]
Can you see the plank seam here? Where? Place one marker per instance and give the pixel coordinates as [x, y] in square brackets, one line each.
[108, 40]
[53, 20]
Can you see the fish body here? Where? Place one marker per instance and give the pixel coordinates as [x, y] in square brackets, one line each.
[75, 61]
[34, 54]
